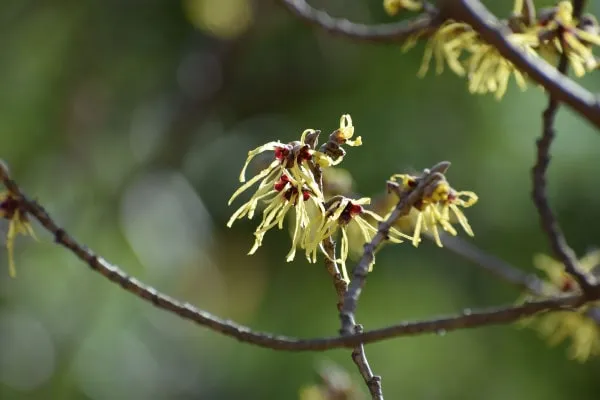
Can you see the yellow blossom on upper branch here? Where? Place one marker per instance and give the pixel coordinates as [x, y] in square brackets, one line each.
[446, 45]
[392, 7]
[556, 32]
[18, 223]
[489, 72]
[564, 34]
[581, 324]
[434, 207]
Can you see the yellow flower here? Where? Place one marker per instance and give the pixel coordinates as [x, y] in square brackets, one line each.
[339, 137]
[489, 72]
[392, 7]
[574, 38]
[288, 182]
[435, 206]
[346, 131]
[11, 210]
[291, 157]
[284, 195]
[559, 280]
[584, 333]
[581, 325]
[339, 212]
[446, 45]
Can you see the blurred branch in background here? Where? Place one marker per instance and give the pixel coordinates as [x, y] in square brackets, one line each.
[207, 68]
[393, 32]
[492, 264]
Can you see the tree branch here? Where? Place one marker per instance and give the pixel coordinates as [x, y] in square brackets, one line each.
[558, 242]
[471, 319]
[359, 357]
[359, 275]
[560, 87]
[372, 381]
[394, 32]
[492, 264]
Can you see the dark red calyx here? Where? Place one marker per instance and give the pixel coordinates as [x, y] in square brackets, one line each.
[282, 152]
[280, 184]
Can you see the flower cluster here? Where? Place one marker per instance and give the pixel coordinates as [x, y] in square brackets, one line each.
[18, 223]
[439, 206]
[554, 33]
[340, 212]
[293, 180]
[299, 177]
[582, 324]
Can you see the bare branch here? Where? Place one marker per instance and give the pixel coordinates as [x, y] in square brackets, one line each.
[359, 357]
[558, 242]
[394, 32]
[560, 87]
[466, 320]
[492, 264]
[358, 353]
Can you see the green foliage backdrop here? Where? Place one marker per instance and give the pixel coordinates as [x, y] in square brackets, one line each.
[131, 119]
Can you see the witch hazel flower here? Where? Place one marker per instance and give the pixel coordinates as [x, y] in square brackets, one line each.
[440, 206]
[288, 182]
[291, 157]
[572, 37]
[580, 325]
[287, 194]
[18, 223]
[339, 213]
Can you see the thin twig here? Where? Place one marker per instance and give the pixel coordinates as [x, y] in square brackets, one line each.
[560, 87]
[492, 264]
[558, 242]
[359, 275]
[359, 357]
[332, 268]
[372, 381]
[466, 320]
[550, 224]
[393, 32]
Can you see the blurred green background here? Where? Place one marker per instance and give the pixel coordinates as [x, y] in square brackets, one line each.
[130, 120]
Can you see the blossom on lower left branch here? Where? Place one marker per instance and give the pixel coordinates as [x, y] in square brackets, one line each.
[12, 210]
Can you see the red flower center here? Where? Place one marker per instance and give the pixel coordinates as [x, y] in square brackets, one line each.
[305, 195]
[281, 152]
[8, 207]
[280, 184]
[349, 212]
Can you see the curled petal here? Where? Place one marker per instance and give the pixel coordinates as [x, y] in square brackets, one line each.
[253, 153]
[264, 173]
